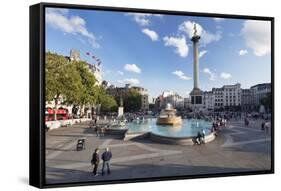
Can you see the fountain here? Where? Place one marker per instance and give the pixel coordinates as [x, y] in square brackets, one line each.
[168, 116]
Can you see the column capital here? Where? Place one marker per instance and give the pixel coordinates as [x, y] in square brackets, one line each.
[195, 38]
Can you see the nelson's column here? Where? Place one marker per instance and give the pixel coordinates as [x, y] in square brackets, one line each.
[196, 94]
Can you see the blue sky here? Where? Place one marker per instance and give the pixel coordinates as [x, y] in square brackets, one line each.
[155, 51]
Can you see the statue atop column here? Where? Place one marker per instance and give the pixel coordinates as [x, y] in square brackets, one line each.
[195, 30]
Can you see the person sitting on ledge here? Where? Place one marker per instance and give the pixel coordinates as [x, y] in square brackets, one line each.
[198, 138]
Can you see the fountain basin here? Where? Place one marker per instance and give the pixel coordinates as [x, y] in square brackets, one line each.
[181, 134]
[178, 140]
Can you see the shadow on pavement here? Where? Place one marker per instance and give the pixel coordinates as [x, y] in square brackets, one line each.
[55, 175]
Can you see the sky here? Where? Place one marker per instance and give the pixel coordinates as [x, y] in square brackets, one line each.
[155, 51]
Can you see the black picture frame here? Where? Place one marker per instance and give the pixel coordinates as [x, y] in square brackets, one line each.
[37, 92]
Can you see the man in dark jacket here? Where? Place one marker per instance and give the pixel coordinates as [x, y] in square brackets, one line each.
[106, 157]
[95, 161]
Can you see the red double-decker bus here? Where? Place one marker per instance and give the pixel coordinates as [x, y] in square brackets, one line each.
[62, 114]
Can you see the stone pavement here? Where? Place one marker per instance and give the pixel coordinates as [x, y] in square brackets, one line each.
[236, 149]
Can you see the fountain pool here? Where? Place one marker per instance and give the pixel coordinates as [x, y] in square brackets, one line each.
[188, 128]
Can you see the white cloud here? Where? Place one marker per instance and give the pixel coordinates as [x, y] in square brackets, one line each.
[257, 35]
[181, 75]
[218, 19]
[206, 37]
[120, 73]
[151, 34]
[59, 19]
[179, 43]
[242, 52]
[225, 75]
[132, 81]
[212, 75]
[188, 28]
[202, 53]
[143, 18]
[132, 68]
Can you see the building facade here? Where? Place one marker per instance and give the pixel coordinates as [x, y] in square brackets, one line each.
[187, 103]
[209, 100]
[123, 91]
[260, 91]
[232, 95]
[226, 97]
[218, 98]
[171, 97]
[247, 101]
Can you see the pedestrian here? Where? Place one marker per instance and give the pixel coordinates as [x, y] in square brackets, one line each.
[102, 131]
[106, 157]
[95, 161]
[224, 122]
[96, 120]
[98, 131]
[267, 127]
[203, 133]
[246, 122]
[262, 125]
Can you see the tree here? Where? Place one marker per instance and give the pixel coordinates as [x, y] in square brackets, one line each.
[132, 102]
[108, 103]
[74, 83]
[89, 91]
[61, 80]
[266, 101]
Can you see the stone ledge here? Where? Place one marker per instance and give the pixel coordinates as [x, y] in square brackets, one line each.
[179, 140]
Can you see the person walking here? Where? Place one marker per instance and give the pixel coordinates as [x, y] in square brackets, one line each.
[106, 157]
[267, 127]
[95, 161]
[98, 130]
[262, 125]
[246, 122]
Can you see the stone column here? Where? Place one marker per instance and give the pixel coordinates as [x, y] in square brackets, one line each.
[195, 40]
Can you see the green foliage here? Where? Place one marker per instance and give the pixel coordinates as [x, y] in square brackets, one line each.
[73, 83]
[132, 102]
[88, 92]
[108, 103]
[266, 101]
[62, 80]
